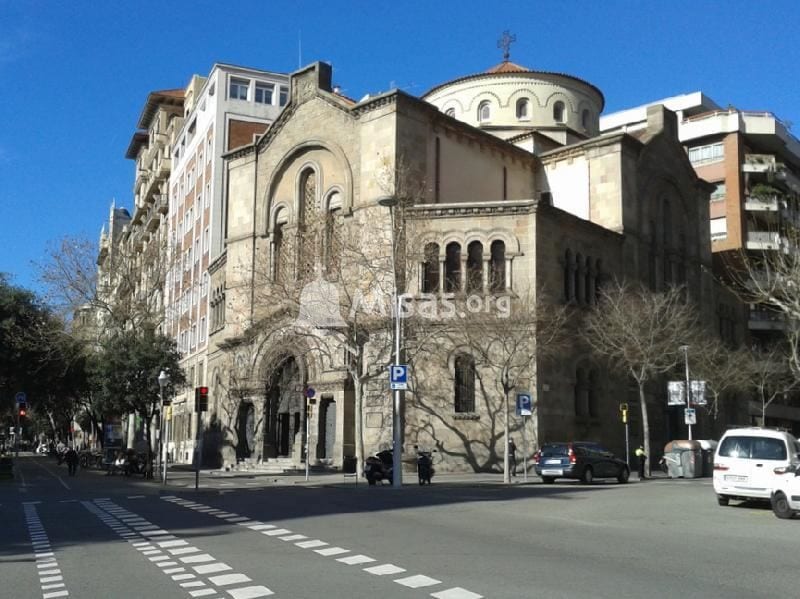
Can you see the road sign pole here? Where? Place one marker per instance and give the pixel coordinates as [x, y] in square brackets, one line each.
[524, 450]
[627, 445]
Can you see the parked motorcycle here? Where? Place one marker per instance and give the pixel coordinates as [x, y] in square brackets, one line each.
[425, 469]
[378, 468]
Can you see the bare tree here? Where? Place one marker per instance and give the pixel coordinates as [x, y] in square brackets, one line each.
[770, 280]
[506, 338]
[724, 370]
[122, 287]
[639, 332]
[772, 374]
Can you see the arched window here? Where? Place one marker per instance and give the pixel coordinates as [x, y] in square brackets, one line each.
[558, 112]
[475, 266]
[593, 394]
[667, 245]
[484, 111]
[464, 384]
[569, 266]
[430, 269]
[581, 397]
[452, 267]
[523, 109]
[585, 117]
[498, 266]
[309, 241]
[280, 261]
[577, 274]
[451, 112]
[598, 281]
[588, 288]
[332, 240]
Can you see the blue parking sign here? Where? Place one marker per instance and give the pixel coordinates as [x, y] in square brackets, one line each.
[524, 404]
[398, 376]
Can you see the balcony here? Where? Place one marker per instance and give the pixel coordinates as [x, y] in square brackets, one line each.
[153, 219]
[764, 320]
[763, 203]
[763, 240]
[761, 163]
[161, 203]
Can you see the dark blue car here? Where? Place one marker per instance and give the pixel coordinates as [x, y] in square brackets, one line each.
[580, 460]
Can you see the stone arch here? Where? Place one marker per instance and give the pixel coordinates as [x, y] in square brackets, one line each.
[556, 96]
[524, 92]
[290, 157]
[484, 95]
[454, 104]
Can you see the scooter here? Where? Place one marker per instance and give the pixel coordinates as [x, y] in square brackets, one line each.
[425, 469]
[378, 468]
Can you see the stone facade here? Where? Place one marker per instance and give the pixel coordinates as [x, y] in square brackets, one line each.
[479, 217]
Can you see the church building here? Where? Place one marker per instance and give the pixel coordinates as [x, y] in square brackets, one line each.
[493, 185]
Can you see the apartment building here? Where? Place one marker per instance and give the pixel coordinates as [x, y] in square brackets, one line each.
[753, 159]
[227, 109]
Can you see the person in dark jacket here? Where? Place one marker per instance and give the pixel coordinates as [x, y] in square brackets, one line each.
[512, 456]
[72, 460]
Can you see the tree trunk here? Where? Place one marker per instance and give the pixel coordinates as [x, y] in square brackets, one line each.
[645, 427]
[506, 472]
[358, 393]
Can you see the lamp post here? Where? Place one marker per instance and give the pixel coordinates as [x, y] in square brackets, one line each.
[390, 202]
[685, 350]
[163, 380]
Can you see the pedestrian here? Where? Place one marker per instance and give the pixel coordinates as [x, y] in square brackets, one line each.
[72, 460]
[642, 459]
[512, 457]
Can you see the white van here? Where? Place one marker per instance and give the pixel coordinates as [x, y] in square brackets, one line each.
[748, 461]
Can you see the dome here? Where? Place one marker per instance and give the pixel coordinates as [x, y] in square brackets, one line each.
[509, 99]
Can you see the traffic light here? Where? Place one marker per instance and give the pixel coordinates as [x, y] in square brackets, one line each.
[201, 399]
[623, 411]
[23, 409]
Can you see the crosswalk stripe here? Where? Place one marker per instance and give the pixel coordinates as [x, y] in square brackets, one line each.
[456, 593]
[417, 581]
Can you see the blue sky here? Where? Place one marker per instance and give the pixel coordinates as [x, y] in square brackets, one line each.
[75, 74]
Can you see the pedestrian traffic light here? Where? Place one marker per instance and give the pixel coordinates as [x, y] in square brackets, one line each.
[201, 399]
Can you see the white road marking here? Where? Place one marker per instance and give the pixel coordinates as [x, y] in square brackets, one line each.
[293, 538]
[311, 544]
[456, 593]
[275, 532]
[250, 592]
[262, 526]
[352, 560]
[384, 569]
[49, 573]
[197, 559]
[183, 550]
[331, 551]
[227, 579]
[109, 513]
[418, 581]
[211, 568]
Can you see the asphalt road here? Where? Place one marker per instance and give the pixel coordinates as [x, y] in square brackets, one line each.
[99, 536]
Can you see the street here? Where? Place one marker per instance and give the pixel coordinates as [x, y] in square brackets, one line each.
[100, 536]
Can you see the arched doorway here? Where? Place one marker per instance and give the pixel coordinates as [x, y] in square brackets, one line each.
[245, 430]
[284, 409]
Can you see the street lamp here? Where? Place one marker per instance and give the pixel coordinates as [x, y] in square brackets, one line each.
[163, 380]
[390, 202]
[685, 350]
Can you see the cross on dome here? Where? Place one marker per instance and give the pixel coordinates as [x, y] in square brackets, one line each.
[505, 43]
